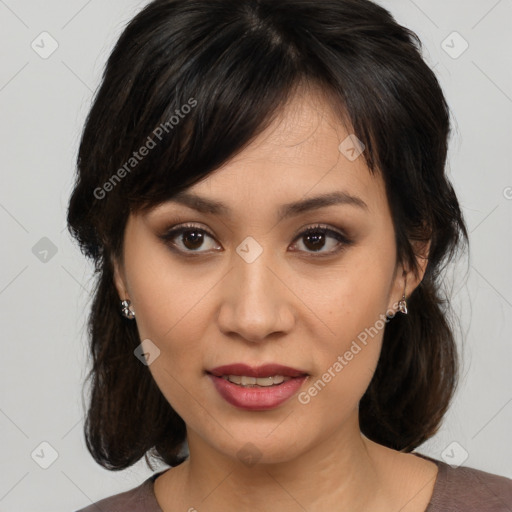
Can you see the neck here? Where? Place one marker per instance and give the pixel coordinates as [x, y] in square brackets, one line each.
[336, 475]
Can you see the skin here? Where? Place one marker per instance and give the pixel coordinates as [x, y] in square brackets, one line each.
[288, 306]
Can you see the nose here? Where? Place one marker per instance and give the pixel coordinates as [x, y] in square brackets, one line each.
[256, 300]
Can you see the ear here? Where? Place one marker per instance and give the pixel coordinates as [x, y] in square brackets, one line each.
[120, 279]
[408, 279]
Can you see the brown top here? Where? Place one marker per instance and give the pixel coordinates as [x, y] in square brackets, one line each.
[459, 489]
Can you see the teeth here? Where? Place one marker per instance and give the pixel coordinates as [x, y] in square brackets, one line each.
[242, 380]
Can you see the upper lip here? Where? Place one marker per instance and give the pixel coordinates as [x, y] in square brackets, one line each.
[265, 370]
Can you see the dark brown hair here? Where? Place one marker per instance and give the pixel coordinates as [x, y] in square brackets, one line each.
[235, 63]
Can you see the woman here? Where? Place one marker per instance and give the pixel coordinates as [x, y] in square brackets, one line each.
[262, 188]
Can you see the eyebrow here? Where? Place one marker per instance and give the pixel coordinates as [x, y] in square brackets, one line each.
[210, 206]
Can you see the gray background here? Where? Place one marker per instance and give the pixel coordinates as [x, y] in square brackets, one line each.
[44, 294]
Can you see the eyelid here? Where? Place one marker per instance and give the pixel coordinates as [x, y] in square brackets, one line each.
[320, 226]
[177, 223]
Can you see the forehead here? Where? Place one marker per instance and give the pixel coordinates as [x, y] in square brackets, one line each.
[297, 157]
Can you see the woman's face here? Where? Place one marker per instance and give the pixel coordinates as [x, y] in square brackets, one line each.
[246, 286]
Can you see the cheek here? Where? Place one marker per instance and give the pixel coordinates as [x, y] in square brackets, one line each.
[173, 310]
[166, 296]
[168, 312]
[355, 298]
[345, 361]
[354, 305]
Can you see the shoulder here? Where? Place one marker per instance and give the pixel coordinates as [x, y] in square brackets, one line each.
[138, 499]
[468, 489]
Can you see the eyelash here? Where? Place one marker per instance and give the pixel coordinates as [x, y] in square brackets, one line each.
[316, 229]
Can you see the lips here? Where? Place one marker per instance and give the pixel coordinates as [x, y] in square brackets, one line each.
[266, 370]
[256, 388]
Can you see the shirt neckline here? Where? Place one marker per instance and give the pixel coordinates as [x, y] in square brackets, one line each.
[440, 483]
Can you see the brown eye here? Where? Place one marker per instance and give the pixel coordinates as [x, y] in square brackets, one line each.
[314, 241]
[192, 239]
[316, 238]
[189, 239]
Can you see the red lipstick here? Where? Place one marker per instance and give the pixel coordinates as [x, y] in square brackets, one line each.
[256, 388]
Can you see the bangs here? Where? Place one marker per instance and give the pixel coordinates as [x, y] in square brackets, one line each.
[197, 92]
[202, 112]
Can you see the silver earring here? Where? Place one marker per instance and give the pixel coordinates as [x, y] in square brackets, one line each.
[402, 305]
[126, 310]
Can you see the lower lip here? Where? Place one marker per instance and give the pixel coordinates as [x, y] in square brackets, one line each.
[257, 398]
